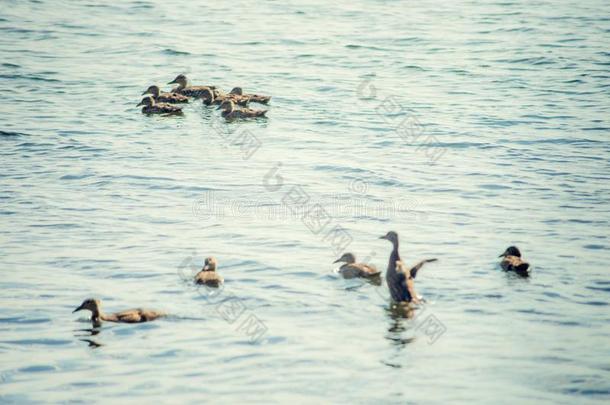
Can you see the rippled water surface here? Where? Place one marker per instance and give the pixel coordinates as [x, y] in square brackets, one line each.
[465, 126]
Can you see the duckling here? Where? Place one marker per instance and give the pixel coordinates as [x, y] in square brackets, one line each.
[186, 90]
[229, 112]
[151, 107]
[208, 98]
[129, 316]
[165, 97]
[397, 280]
[208, 275]
[351, 269]
[253, 97]
[512, 262]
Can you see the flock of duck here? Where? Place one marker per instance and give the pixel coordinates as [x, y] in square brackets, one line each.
[400, 280]
[233, 104]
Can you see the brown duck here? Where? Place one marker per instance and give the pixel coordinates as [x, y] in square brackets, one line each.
[207, 275]
[397, 280]
[129, 316]
[173, 98]
[512, 262]
[351, 269]
[230, 113]
[186, 90]
[253, 97]
[208, 98]
[152, 107]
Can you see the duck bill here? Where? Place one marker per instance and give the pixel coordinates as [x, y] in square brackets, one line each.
[140, 103]
[337, 261]
[503, 254]
[220, 107]
[145, 92]
[78, 309]
[383, 237]
[173, 82]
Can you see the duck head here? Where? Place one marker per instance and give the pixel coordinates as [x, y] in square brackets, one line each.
[180, 80]
[511, 251]
[228, 106]
[210, 264]
[90, 304]
[147, 101]
[391, 236]
[207, 97]
[346, 258]
[237, 90]
[154, 90]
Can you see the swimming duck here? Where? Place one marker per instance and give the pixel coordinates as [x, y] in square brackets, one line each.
[512, 261]
[186, 90]
[151, 107]
[253, 97]
[129, 316]
[351, 269]
[208, 98]
[229, 112]
[165, 97]
[208, 275]
[397, 280]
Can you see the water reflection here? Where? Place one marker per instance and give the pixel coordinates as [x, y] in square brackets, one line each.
[86, 333]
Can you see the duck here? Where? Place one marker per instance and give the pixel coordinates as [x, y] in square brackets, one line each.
[129, 316]
[230, 113]
[512, 262]
[208, 98]
[152, 107]
[351, 269]
[208, 275]
[253, 97]
[159, 97]
[395, 277]
[186, 90]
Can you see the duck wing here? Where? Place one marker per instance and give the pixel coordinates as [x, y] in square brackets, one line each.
[256, 98]
[353, 270]
[165, 108]
[195, 91]
[172, 98]
[250, 113]
[415, 269]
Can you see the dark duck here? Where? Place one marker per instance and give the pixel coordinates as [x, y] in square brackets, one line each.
[172, 98]
[152, 107]
[511, 261]
[396, 276]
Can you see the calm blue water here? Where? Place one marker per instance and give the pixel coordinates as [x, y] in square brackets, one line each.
[465, 126]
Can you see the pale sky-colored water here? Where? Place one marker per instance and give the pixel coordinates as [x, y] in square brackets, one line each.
[465, 127]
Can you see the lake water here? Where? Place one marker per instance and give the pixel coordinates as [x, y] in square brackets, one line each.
[464, 126]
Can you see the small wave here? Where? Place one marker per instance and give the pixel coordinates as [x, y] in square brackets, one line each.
[168, 51]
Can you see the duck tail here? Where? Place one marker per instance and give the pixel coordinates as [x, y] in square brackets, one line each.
[261, 113]
[523, 268]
